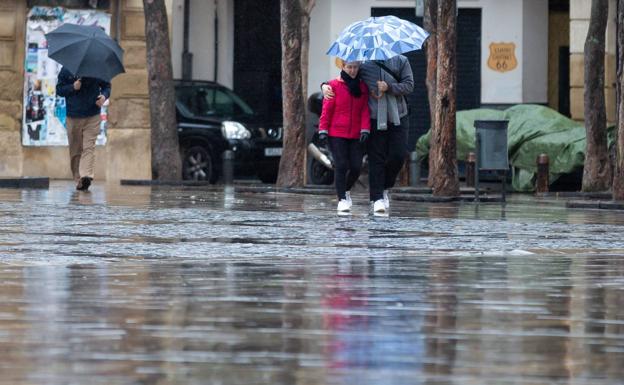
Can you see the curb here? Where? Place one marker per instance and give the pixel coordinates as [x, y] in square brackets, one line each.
[290, 190]
[242, 187]
[415, 194]
[149, 182]
[409, 194]
[38, 182]
[604, 205]
[434, 199]
[575, 194]
[427, 190]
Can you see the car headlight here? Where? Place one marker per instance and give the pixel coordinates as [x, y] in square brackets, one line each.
[234, 130]
[275, 133]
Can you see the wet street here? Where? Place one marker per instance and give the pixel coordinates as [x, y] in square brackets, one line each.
[192, 285]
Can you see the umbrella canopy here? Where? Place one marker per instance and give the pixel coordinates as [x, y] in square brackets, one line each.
[377, 38]
[86, 51]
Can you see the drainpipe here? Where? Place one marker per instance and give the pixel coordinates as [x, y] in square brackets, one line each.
[187, 57]
[216, 41]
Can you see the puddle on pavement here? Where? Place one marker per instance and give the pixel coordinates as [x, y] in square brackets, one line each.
[141, 286]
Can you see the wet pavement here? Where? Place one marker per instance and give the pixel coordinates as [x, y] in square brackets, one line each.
[165, 285]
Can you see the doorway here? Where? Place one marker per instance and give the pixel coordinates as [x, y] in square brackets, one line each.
[258, 57]
[559, 56]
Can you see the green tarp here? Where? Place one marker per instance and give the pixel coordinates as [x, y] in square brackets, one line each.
[532, 130]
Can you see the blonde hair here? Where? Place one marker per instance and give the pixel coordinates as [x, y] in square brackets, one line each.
[340, 63]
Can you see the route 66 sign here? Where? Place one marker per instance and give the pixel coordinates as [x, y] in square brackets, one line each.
[502, 57]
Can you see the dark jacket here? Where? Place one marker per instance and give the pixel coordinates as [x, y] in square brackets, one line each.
[81, 103]
[370, 73]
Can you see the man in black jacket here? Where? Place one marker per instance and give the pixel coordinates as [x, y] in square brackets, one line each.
[84, 99]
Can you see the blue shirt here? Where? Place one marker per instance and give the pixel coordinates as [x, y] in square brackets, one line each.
[81, 103]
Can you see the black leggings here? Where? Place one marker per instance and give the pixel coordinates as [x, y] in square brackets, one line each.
[347, 155]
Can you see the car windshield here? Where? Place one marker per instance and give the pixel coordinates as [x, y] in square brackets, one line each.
[209, 101]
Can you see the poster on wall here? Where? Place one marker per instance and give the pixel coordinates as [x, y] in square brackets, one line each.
[44, 115]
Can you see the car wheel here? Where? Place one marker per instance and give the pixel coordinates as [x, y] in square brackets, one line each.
[197, 164]
[319, 174]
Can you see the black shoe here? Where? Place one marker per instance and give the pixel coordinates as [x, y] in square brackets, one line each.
[84, 183]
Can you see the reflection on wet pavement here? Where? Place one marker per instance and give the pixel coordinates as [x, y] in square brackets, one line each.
[140, 285]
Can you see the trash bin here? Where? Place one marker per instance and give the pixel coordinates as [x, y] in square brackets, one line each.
[491, 143]
[491, 150]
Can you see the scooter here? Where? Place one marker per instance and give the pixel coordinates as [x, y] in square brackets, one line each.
[322, 155]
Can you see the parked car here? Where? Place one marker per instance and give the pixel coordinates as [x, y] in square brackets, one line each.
[212, 119]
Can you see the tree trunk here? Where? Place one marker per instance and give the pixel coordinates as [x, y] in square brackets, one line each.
[597, 169]
[166, 164]
[618, 178]
[306, 6]
[431, 26]
[445, 181]
[292, 161]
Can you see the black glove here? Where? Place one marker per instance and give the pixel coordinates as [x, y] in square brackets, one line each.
[364, 137]
[322, 139]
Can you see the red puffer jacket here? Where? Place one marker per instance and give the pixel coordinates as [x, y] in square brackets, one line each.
[345, 116]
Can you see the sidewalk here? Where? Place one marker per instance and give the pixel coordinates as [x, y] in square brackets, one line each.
[489, 193]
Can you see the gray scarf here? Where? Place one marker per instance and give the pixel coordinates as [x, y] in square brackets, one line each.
[387, 109]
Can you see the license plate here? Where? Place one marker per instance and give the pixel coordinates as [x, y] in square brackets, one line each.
[273, 151]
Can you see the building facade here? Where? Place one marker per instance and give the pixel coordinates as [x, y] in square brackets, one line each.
[127, 151]
[509, 52]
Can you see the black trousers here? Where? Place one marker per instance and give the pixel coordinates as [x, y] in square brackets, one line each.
[386, 154]
[347, 155]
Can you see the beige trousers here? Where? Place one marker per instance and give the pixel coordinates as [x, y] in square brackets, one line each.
[82, 133]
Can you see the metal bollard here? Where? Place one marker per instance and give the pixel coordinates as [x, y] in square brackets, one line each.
[541, 183]
[471, 164]
[414, 169]
[228, 167]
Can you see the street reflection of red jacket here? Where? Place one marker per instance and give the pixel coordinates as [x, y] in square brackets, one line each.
[343, 306]
[345, 116]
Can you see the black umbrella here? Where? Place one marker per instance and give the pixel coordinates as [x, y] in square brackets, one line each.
[86, 51]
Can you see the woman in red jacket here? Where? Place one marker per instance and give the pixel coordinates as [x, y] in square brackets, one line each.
[346, 120]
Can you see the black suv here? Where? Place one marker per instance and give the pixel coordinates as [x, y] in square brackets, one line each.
[211, 119]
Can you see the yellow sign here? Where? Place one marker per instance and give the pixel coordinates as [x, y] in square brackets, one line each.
[502, 57]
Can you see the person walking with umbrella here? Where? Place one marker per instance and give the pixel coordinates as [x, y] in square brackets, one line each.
[84, 98]
[387, 147]
[90, 59]
[380, 41]
[345, 120]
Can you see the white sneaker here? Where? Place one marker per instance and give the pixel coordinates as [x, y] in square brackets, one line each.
[348, 194]
[344, 205]
[379, 206]
[386, 199]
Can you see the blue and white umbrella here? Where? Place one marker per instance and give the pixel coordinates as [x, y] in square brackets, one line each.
[377, 38]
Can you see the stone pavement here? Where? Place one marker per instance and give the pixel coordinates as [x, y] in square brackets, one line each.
[203, 285]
